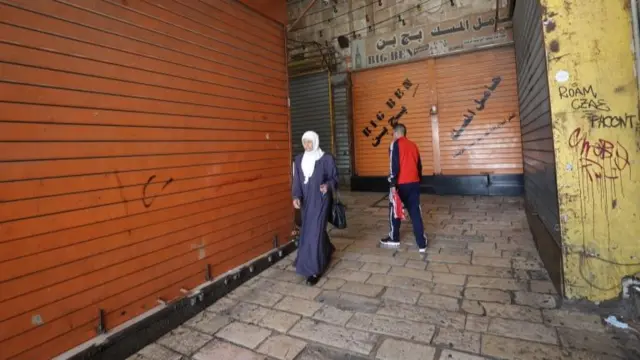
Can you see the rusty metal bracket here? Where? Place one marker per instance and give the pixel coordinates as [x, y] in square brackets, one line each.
[101, 328]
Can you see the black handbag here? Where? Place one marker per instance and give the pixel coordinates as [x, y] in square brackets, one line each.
[338, 212]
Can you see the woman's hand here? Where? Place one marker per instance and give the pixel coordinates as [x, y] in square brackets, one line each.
[296, 203]
[323, 188]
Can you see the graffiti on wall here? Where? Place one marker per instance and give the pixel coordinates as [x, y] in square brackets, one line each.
[147, 198]
[603, 163]
[480, 105]
[393, 120]
[486, 134]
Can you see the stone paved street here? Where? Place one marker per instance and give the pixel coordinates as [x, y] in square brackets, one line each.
[482, 293]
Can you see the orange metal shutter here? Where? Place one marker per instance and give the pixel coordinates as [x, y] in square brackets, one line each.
[479, 88]
[381, 94]
[139, 143]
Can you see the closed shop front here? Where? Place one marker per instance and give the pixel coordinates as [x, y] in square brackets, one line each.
[470, 142]
[144, 148]
[341, 91]
[311, 109]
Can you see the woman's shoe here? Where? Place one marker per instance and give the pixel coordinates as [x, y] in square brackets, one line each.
[312, 280]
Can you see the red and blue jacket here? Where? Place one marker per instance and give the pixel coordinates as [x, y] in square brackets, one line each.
[405, 166]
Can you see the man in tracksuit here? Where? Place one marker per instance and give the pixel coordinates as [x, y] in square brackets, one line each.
[405, 175]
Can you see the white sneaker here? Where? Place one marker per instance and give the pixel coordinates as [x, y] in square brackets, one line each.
[423, 251]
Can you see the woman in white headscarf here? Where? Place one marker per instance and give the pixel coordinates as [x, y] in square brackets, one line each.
[315, 177]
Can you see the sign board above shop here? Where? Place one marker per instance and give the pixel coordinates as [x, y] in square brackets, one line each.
[466, 33]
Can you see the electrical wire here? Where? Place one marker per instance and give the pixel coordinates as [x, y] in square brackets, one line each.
[352, 33]
[333, 18]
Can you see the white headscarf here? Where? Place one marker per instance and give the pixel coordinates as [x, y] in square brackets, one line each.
[310, 157]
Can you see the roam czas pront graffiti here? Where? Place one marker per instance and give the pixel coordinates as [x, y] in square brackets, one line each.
[480, 104]
[392, 121]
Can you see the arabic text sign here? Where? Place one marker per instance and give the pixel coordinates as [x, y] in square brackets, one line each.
[425, 41]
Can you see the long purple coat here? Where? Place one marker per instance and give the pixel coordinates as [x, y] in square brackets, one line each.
[315, 249]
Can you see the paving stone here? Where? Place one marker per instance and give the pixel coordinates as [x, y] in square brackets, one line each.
[382, 259]
[290, 289]
[222, 305]
[333, 315]
[249, 313]
[401, 295]
[416, 264]
[156, 352]
[184, 340]
[448, 290]
[208, 323]
[244, 334]
[411, 273]
[376, 268]
[401, 282]
[220, 350]
[455, 355]
[278, 320]
[513, 349]
[473, 307]
[386, 325]
[449, 279]
[392, 349]
[349, 339]
[490, 295]
[349, 264]
[482, 246]
[593, 342]
[349, 275]
[282, 347]
[477, 323]
[450, 259]
[476, 270]
[543, 287]
[527, 264]
[362, 289]
[496, 283]
[514, 312]
[439, 302]
[458, 339]
[422, 314]
[438, 267]
[349, 302]
[331, 284]
[298, 306]
[490, 261]
[316, 352]
[262, 298]
[573, 319]
[536, 300]
[282, 275]
[539, 275]
[523, 330]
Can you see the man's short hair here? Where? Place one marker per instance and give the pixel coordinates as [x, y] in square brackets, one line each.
[400, 129]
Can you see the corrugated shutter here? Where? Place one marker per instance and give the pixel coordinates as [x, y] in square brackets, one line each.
[133, 137]
[372, 89]
[341, 89]
[539, 160]
[540, 184]
[310, 109]
[480, 87]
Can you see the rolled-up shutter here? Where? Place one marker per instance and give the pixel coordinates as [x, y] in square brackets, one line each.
[341, 90]
[310, 109]
[479, 126]
[379, 95]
